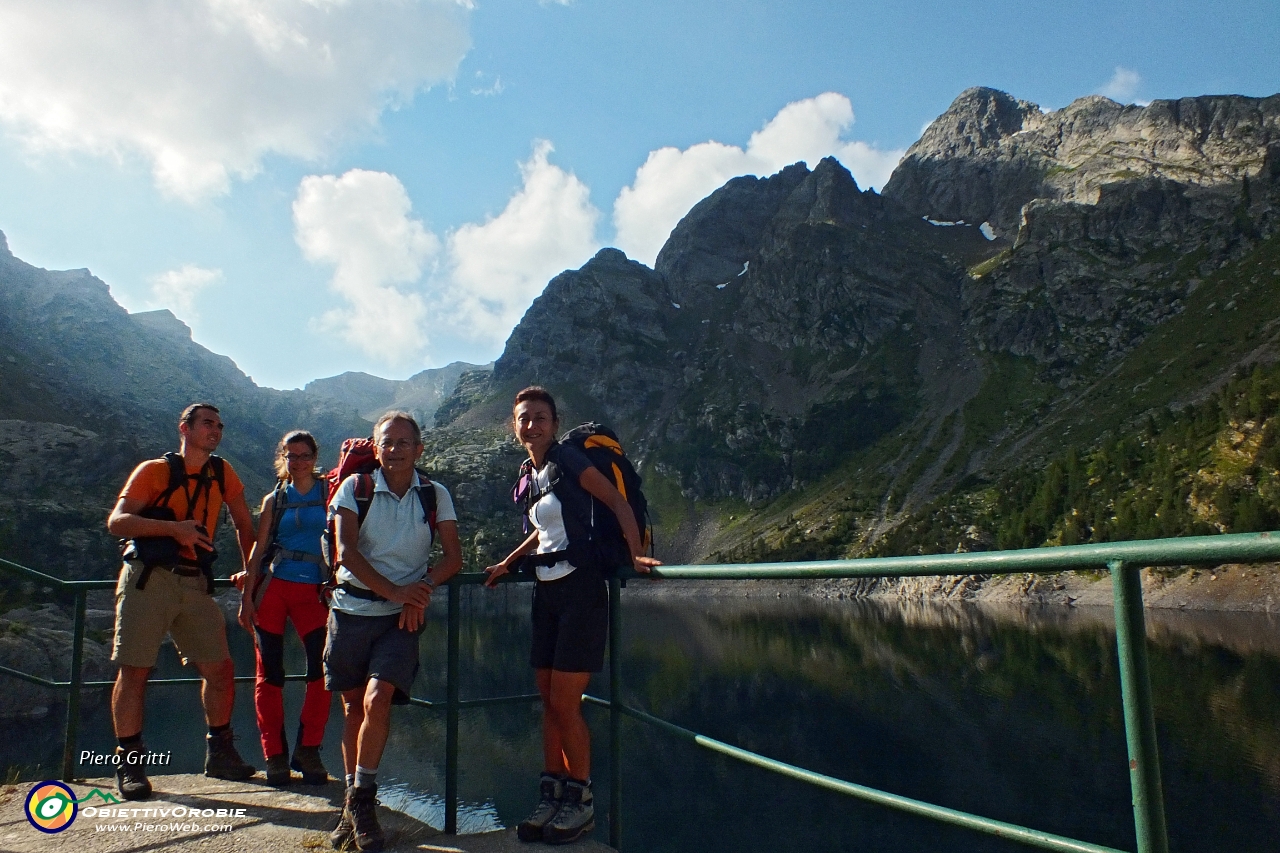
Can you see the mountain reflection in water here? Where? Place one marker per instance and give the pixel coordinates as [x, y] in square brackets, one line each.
[1006, 713]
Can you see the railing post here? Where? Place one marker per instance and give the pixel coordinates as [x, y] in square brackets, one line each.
[72, 732]
[1139, 710]
[451, 711]
[615, 713]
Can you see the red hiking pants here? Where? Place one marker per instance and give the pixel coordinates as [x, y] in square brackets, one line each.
[300, 603]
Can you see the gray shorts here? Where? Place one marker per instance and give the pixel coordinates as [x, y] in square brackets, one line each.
[362, 647]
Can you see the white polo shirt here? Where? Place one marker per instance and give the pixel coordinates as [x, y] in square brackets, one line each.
[393, 538]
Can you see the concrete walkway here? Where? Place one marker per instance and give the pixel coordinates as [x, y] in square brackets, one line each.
[255, 819]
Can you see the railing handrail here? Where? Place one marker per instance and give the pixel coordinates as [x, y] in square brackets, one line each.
[1187, 550]
[1121, 559]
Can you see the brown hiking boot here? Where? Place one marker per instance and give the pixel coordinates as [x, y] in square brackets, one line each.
[306, 760]
[131, 777]
[278, 770]
[362, 805]
[340, 837]
[222, 761]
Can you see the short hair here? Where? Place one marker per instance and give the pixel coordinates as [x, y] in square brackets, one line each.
[188, 415]
[297, 435]
[537, 392]
[399, 416]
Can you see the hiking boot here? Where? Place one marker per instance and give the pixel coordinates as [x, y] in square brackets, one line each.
[575, 817]
[278, 770]
[221, 761]
[131, 779]
[306, 760]
[551, 790]
[340, 837]
[362, 805]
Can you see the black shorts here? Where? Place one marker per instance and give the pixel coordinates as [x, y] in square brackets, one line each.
[570, 622]
[362, 647]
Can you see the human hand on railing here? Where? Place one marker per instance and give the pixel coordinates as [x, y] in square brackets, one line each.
[643, 564]
[494, 572]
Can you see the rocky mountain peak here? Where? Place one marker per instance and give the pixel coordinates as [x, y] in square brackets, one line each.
[163, 321]
[714, 239]
[977, 120]
[827, 194]
[989, 154]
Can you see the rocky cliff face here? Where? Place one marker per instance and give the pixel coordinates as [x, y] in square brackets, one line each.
[790, 321]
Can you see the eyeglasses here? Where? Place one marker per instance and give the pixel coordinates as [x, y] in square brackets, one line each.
[299, 457]
[398, 444]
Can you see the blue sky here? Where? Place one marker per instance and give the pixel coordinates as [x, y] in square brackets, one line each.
[317, 186]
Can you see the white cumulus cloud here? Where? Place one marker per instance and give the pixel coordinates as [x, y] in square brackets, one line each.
[1122, 86]
[360, 223]
[177, 289]
[496, 268]
[203, 89]
[397, 280]
[672, 180]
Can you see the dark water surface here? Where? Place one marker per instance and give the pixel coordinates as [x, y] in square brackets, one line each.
[1013, 715]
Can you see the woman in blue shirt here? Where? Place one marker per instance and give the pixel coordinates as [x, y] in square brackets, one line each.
[282, 582]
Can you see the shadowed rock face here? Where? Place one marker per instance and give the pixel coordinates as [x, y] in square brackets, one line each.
[777, 305]
[989, 153]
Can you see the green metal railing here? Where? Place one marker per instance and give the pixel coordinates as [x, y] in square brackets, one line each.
[1124, 561]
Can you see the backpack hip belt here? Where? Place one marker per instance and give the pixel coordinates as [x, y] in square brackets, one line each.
[360, 592]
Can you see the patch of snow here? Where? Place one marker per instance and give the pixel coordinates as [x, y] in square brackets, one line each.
[937, 222]
[675, 304]
[745, 265]
[987, 230]
[722, 286]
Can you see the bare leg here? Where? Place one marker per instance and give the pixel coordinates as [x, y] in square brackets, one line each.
[128, 699]
[377, 723]
[563, 713]
[218, 692]
[352, 721]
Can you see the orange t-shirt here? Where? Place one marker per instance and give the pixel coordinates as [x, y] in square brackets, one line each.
[150, 479]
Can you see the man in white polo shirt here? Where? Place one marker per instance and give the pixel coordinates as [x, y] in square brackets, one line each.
[384, 586]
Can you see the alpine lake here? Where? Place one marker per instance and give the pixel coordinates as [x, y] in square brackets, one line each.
[1012, 714]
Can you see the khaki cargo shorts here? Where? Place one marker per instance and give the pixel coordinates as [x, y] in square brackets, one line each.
[170, 604]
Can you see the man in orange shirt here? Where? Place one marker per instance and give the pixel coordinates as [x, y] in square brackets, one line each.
[169, 511]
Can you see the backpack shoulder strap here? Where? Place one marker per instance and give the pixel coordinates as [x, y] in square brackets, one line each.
[279, 503]
[427, 496]
[364, 495]
[219, 467]
[177, 478]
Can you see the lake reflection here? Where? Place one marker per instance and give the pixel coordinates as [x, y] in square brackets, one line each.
[1009, 714]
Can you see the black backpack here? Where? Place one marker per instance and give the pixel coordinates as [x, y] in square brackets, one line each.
[154, 551]
[595, 538]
